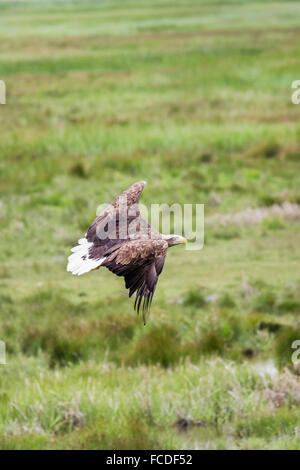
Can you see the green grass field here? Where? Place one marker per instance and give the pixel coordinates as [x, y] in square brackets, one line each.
[194, 97]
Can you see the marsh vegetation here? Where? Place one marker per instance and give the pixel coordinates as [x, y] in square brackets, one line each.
[194, 97]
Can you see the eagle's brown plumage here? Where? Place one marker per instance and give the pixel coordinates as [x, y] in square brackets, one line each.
[122, 241]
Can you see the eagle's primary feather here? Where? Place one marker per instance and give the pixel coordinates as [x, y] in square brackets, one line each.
[122, 241]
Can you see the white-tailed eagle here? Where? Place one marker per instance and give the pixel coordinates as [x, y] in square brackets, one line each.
[122, 241]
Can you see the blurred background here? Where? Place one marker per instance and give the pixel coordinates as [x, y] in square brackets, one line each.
[195, 98]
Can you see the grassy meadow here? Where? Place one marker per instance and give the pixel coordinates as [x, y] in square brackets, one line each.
[195, 98]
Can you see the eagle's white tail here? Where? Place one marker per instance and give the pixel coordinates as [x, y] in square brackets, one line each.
[79, 262]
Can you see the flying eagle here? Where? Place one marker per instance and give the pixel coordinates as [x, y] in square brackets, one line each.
[122, 241]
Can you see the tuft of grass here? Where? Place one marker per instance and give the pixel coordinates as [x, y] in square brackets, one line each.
[264, 302]
[227, 301]
[78, 169]
[227, 233]
[289, 304]
[101, 436]
[159, 345]
[269, 424]
[75, 342]
[211, 342]
[266, 150]
[283, 346]
[62, 349]
[195, 298]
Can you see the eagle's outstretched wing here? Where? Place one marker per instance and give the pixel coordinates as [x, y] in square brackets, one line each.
[140, 262]
[122, 241]
[123, 208]
[118, 223]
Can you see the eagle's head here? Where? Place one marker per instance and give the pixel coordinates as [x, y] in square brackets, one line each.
[174, 239]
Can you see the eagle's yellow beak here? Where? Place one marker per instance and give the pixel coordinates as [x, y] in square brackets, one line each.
[180, 240]
[174, 239]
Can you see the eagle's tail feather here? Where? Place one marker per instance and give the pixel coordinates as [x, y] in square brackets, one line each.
[79, 262]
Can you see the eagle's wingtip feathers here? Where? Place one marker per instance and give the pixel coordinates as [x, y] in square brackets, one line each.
[79, 262]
